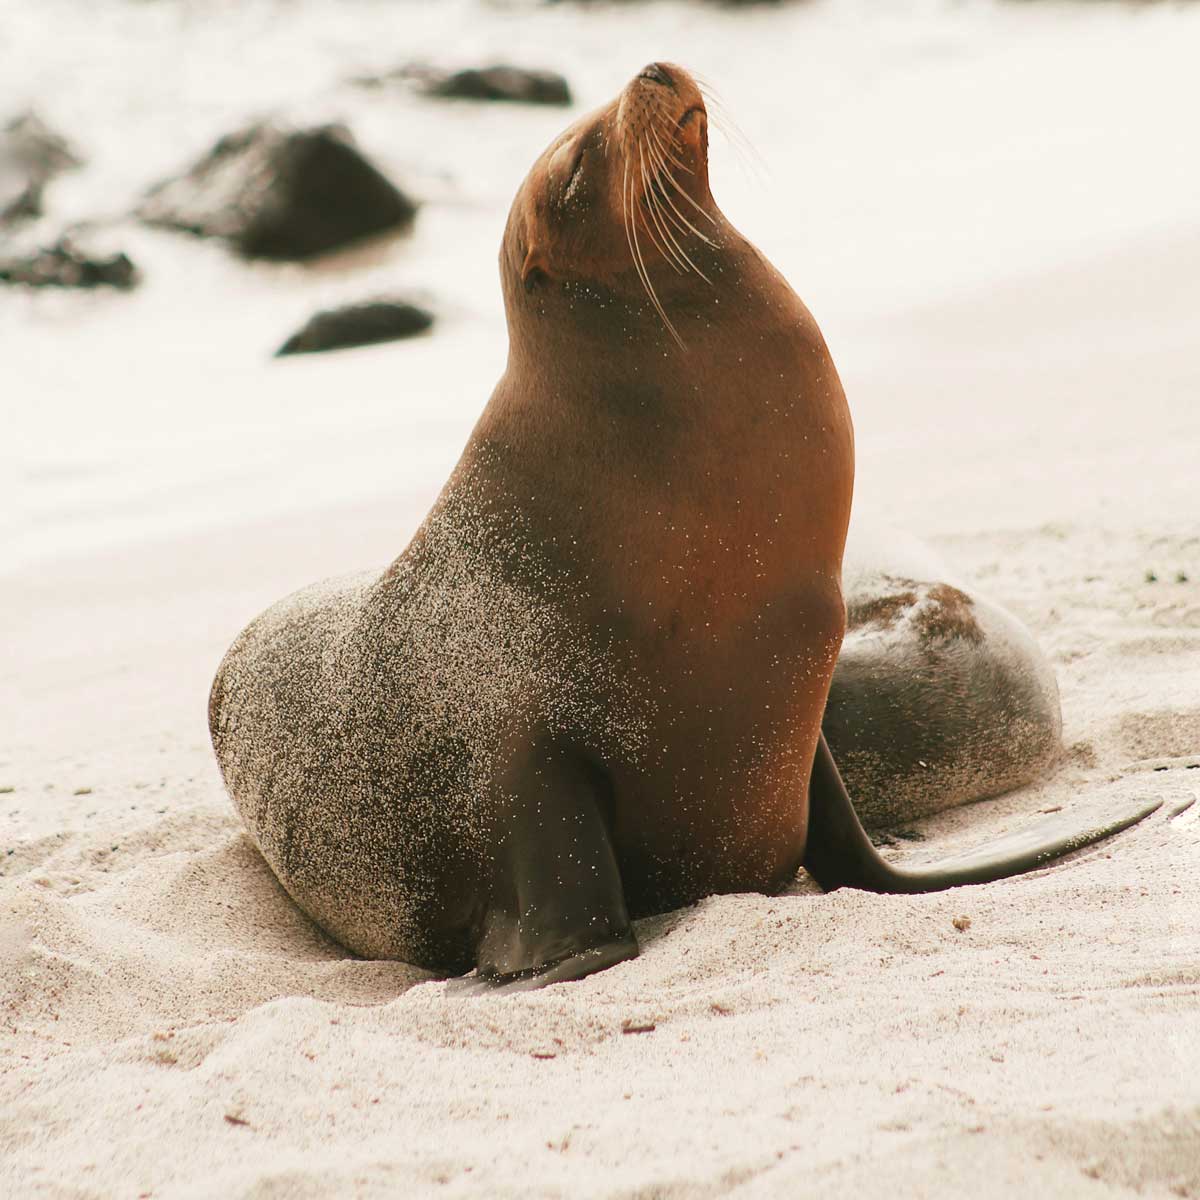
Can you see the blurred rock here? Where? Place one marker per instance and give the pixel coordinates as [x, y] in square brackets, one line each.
[20, 199]
[31, 154]
[381, 320]
[281, 194]
[498, 82]
[712, 3]
[501, 82]
[66, 266]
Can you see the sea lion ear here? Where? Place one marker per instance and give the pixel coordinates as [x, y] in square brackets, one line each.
[535, 269]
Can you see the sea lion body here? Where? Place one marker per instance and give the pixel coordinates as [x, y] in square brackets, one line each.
[592, 686]
[374, 726]
[940, 696]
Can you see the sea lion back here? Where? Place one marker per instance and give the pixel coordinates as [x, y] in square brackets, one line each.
[329, 741]
[366, 728]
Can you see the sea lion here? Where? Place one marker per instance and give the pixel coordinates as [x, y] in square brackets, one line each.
[591, 688]
[939, 696]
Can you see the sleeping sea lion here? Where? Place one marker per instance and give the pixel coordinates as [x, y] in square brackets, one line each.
[940, 696]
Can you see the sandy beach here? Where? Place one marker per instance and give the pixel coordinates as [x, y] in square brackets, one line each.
[992, 212]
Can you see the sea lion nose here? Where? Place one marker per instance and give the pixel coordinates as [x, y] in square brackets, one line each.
[657, 73]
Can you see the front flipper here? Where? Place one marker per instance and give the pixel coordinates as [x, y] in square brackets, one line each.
[839, 854]
[557, 908]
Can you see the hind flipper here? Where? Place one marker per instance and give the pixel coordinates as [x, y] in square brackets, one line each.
[556, 909]
[839, 853]
[1041, 842]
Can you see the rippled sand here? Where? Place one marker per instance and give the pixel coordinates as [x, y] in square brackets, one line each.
[992, 211]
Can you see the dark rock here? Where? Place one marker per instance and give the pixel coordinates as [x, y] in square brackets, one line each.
[714, 3]
[358, 325]
[281, 194]
[503, 83]
[41, 151]
[31, 154]
[20, 199]
[63, 265]
[498, 82]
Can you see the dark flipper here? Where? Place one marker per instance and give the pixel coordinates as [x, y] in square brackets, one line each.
[839, 853]
[557, 908]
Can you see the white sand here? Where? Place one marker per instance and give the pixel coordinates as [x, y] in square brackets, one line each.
[994, 218]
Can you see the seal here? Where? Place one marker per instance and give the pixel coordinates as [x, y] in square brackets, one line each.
[591, 688]
[940, 696]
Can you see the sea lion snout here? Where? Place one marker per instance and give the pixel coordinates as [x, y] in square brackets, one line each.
[662, 130]
[663, 91]
[657, 73]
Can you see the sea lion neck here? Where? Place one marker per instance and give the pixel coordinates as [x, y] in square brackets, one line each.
[600, 318]
[606, 338]
[654, 353]
[597, 401]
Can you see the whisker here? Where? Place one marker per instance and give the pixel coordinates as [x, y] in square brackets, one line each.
[670, 250]
[654, 235]
[748, 157]
[720, 116]
[659, 169]
[631, 237]
[625, 218]
[707, 216]
[645, 274]
[669, 233]
[664, 173]
[669, 151]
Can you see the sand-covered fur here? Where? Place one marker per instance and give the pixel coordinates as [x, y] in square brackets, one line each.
[1006, 264]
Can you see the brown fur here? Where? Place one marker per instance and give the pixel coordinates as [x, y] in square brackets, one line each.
[879, 610]
[652, 508]
[937, 610]
[947, 613]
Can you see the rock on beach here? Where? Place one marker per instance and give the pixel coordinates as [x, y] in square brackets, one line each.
[382, 320]
[31, 154]
[65, 265]
[281, 194]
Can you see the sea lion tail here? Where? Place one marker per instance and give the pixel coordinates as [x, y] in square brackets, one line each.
[839, 853]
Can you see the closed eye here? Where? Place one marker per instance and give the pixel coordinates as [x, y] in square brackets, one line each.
[576, 173]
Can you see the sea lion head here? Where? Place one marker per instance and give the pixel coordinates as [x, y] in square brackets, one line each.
[617, 210]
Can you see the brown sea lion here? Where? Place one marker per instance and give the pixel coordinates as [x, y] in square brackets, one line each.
[591, 688]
